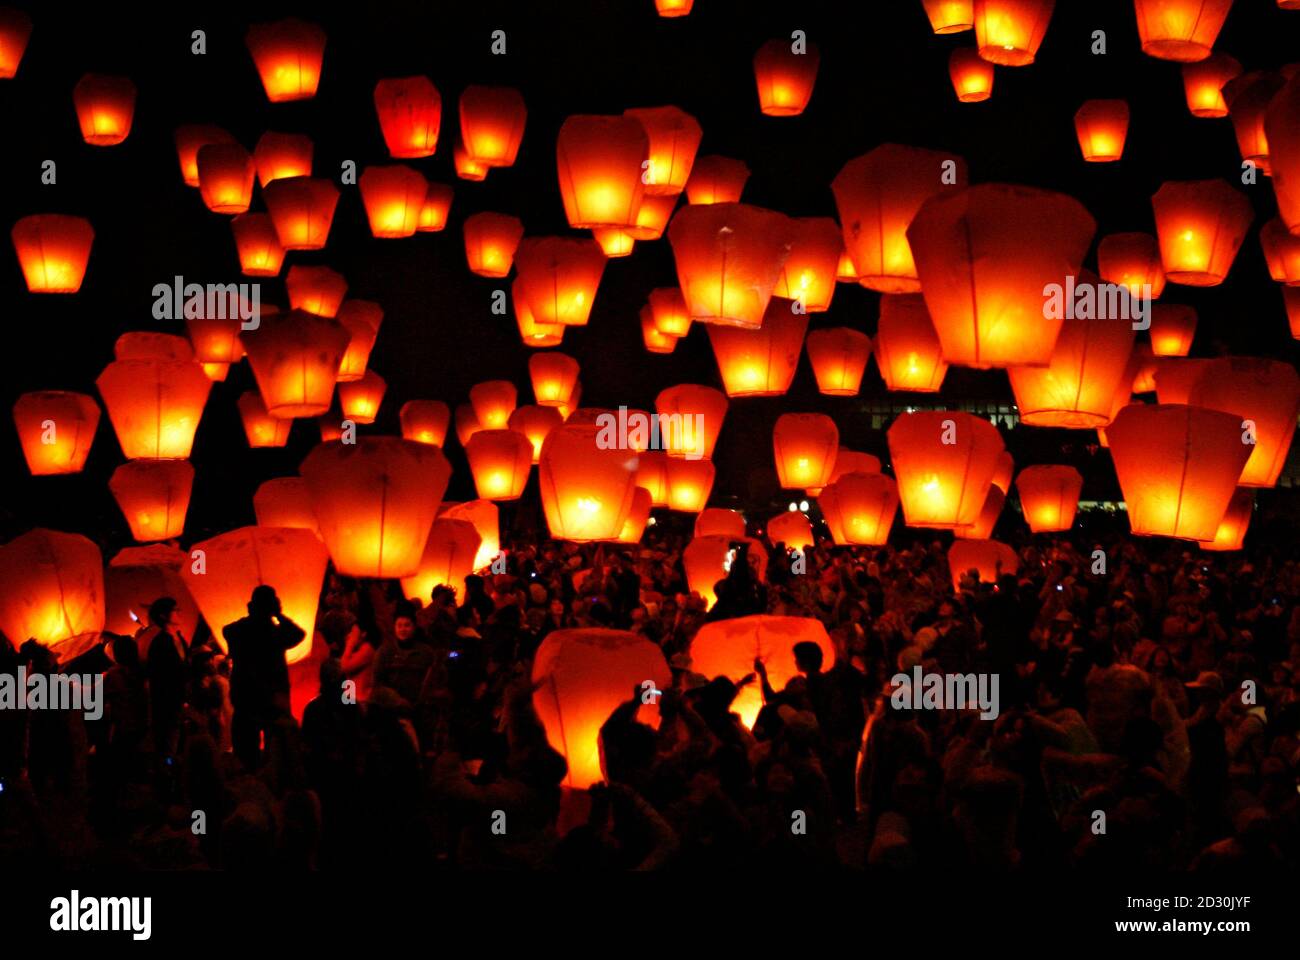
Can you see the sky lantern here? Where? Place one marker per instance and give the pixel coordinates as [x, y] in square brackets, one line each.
[16, 30]
[317, 290]
[1248, 98]
[1143, 364]
[225, 177]
[151, 345]
[652, 475]
[730, 647]
[54, 589]
[1174, 378]
[135, 578]
[535, 423]
[983, 526]
[808, 274]
[436, 207]
[486, 518]
[154, 496]
[1009, 32]
[569, 406]
[558, 277]
[394, 197]
[1203, 84]
[878, 194]
[652, 218]
[554, 376]
[971, 75]
[534, 335]
[375, 501]
[586, 489]
[105, 107]
[690, 419]
[55, 429]
[792, 528]
[985, 255]
[1049, 496]
[839, 358]
[760, 363]
[655, 340]
[154, 406]
[1182, 30]
[1201, 224]
[1177, 466]
[53, 250]
[1264, 392]
[280, 156]
[1102, 128]
[1002, 472]
[1173, 327]
[360, 399]
[674, 137]
[1283, 130]
[492, 124]
[950, 16]
[907, 347]
[362, 319]
[1132, 260]
[580, 676]
[466, 423]
[448, 559]
[295, 358]
[288, 56]
[410, 114]
[490, 243]
[262, 429]
[189, 138]
[989, 558]
[860, 508]
[1281, 251]
[848, 461]
[944, 462]
[500, 461]
[704, 560]
[673, 8]
[425, 421]
[599, 162]
[1291, 300]
[716, 179]
[284, 502]
[331, 427]
[493, 402]
[668, 307]
[785, 72]
[302, 209]
[258, 245]
[1231, 534]
[614, 242]
[720, 522]
[467, 168]
[217, 372]
[804, 446]
[637, 517]
[689, 483]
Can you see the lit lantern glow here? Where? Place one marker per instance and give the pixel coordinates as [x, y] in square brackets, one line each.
[1004, 469]
[848, 461]
[690, 420]
[533, 334]
[490, 243]
[1201, 224]
[436, 207]
[760, 363]
[859, 508]
[486, 519]
[288, 55]
[292, 561]
[500, 461]
[316, 290]
[362, 319]
[56, 429]
[586, 490]
[135, 578]
[410, 115]
[1284, 140]
[705, 560]
[154, 496]
[280, 156]
[554, 377]
[1264, 392]
[16, 30]
[1177, 466]
[331, 427]
[1173, 327]
[1102, 128]
[652, 218]
[943, 484]
[492, 124]
[689, 484]
[1174, 378]
[467, 168]
[654, 340]
[493, 402]
[1203, 84]
[535, 423]
[189, 139]
[614, 243]
[262, 429]
[466, 423]
[984, 256]
[1231, 534]
[730, 647]
[1144, 365]
[599, 161]
[54, 590]
[669, 310]
[716, 179]
[295, 358]
[394, 198]
[674, 137]
[950, 16]
[808, 274]
[907, 347]
[375, 501]
[569, 406]
[1281, 251]
[1009, 32]
[53, 250]
[225, 177]
[217, 372]
[425, 421]
[360, 399]
[983, 526]
[1132, 260]
[148, 345]
[302, 209]
[448, 559]
[154, 406]
[652, 475]
[785, 77]
[637, 517]
[1249, 98]
[990, 559]
[1049, 496]
[1291, 300]
[105, 108]
[839, 358]
[580, 676]
[878, 194]
[1182, 30]
[258, 245]
[804, 446]
[284, 502]
[971, 75]
[792, 529]
[558, 278]
[673, 8]
[720, 522]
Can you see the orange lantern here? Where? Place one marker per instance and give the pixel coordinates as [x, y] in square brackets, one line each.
[983, 526]
[54, 590]
[1049, 497]
[944, 462]
[651, 219]
[614, 243]
[135, 578]
[1175, 377]
[225, 177]
[1182, 30]
[674, 137]
[284, 502]
[280, 156]
[1281, 251]
[690, 418]
[989, 559]
[467, 168]
[673, 8]
[706, 561]
[360, 399]
[493, 401]
[448, 559]
[839, 358]
[1009, 32]
[535, 422]
[759, 363]
[436, 207]
[720, 522]
[262, 429]
[316, 290]
[499, 461]
[950, 16]
[599, 161]
[16, 30]
[1003, 471]
[288, 56]
[1144, 365]
[490, 243]
[1284, 161]
[154, 496]
[466, 423]
[785, 73]
[808, 275]
[410, 114]
[971, 75]
[668, 308]
[804, 446]
[425, 421]
[189, 139]
[558, 278]
[1248, 98]
[586, 490]
[652, 476]
[154, 406]
[331, 429]
[486, 519]
[533, 334]
[1231, 534]
[637, 517]
[1291, 299]
[1265, 397]
[716, 179]
[1132, 261]
[570, 405]
[216, 372]
[56, 429]
[791, 529]
[1203, 84]
[492, 124]
[859, 508]
[148, 345]
[302, 209]
[848, 461]
[554, 377]
[689, 483]
[362, 319]
[105, 107]
[295, 358]
[580, 676]
[258, 245]
[1201, 224]
[1102, 128]
[654, 340]
[907, 347]
[1173, 326]
[394, 198]
[53, 250]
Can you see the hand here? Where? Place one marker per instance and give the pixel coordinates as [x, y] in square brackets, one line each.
[759, 667]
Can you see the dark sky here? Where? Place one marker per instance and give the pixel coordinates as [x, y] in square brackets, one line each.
[883, 78]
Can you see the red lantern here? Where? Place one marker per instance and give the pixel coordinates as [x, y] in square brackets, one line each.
[716, 179]
[288, 56]
[673, 8]
[637, 517]
[425, 421]
[791, 529]
[54, 590]
[490, 243]
[720, 522]
[554, 376]
[448, 559]
[983, 526]
[804, 446]
[674, 137]
[1102, 128]
[808, 275]
[988, 559]
[486, 519]
[394, 198]
[189, 139]
[860, 508]
[689, 484]
[260, 253]
[1203, 84]
[971, 75]
[614, 243]
[295, 358]
[225, 177]
[1174, 378]
[436, 207]
[950, 16]
[599, 161]
[655, 341]
[839, 358]
[154, 496]
[762, 362]
[652, 475]
[55, 429]
[1143, 364]
[361, 319]
[105, 108]
[1003, 471]
[785, 72]
[1231, 534]
[944, 461]
[1132, 260]
[690, 419]
[1284, 146]
[16, 30]
[586, 489]
[907, 347]
[848, 461]
[360, 399]
[53, 250]
[559, 277]
[1182, 30]
[1009, 32]
[1281, 251]
[316, 290]
[262, 429]
[410, 114]
[535, 423]
[668, 307]
[651, 219]
[493, 402]
[499, 461]
[1248, 98]
[154, 406]
[466, 424]
[302, 209]
[707, 560]
[1173, 326]
[1201, 224]
[1049, 497]
[1265, 397]
[285, 502]
[1291, 299]
[533, 334]
[281, 156]
[492, 124]
[467, 168]
[147, 345]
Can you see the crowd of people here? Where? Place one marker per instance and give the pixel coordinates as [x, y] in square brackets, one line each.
[1148, 717]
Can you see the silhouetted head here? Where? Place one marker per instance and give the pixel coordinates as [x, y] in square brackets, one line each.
[162, 611]
[263, 602]
[807, 656]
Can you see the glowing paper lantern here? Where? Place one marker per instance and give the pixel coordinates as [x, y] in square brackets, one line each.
[785, 73]
[1281, 251]
[56, 429]
[950, 16]
[486, 519]
[216, 372]
[759, 363]
[16, 30]
[971, 75]
[295, 358]
[944, 462]
[580, 676]
[792, 529]
[535, 422]
[154, 406]
[280, 156]
[1132, 260]
[1281, 125]
[654, 340]
[533, 334]
[285, 502]
[804, 446]
[716, 179]
[225, 177]
[983, 526]
[448, 559]
[586, 490]
[1203, 84]
[360, 399]
[985, 256]
[1264, 392]
[189, 139]
[490, 243]
[1248, 98]
[410, 114]
[1144, 364]
[689, 484]
[637, 517]
[425, 421]
[436, 207]
[499, 461]
[1182, 30]
[362, 319]
[907, 347]
[1102, 128]
[558, 278]
[554, 376]
[839, 358]
[720, 522]
[331, 429]
[1291, 299]
[53, 250]
[54, 590]
[154, 496]
[808, 274]
[988, 558]
[214, 339]
[288, 56]
[705, 561]
[859, 508]
[614, 242]
[674, 137]
[258, 245]
[149, 345]
[302, 209]
[690, 419]
[492, 124]
[467, 168]
[673, 8]
[1231, 534]
[1049, 497]
[668, 308]
[135, 578]
[848, 461]
[652, 476]
[394, 198]
[466, 423]
[599, 161]
[1173, 326]
[262, 429]
[1201, 224]
[652, 218]
[493, 402]
[1006, 467]
[1009, 32]
[105, 107]
[1175, 377]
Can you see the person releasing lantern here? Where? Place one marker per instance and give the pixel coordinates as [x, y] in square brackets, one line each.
[859, 508]
[944, 462]
[258, 245]
[716, 179]
[53, 251]
[262, 429]
[154, 496]
[1201, 224]
[295, 358]
[1009, 32]
[425, 421]
[971, 75]
[785, 72]
[447, 560]
[105, 108]
[302, 209]
[360, 399]
[1182, 30]
[55, 429]
[839, 358]
[154, 406]
[410, 115]
[492, 124]
[762, 362]
[135, 577]
[500, 461]
[288, 55]
[490, 243]
[586, 489]
[1102, 128]
[907, 348]
[1265, 397]
[1049, 496]
[804, 446]
[54, 590]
